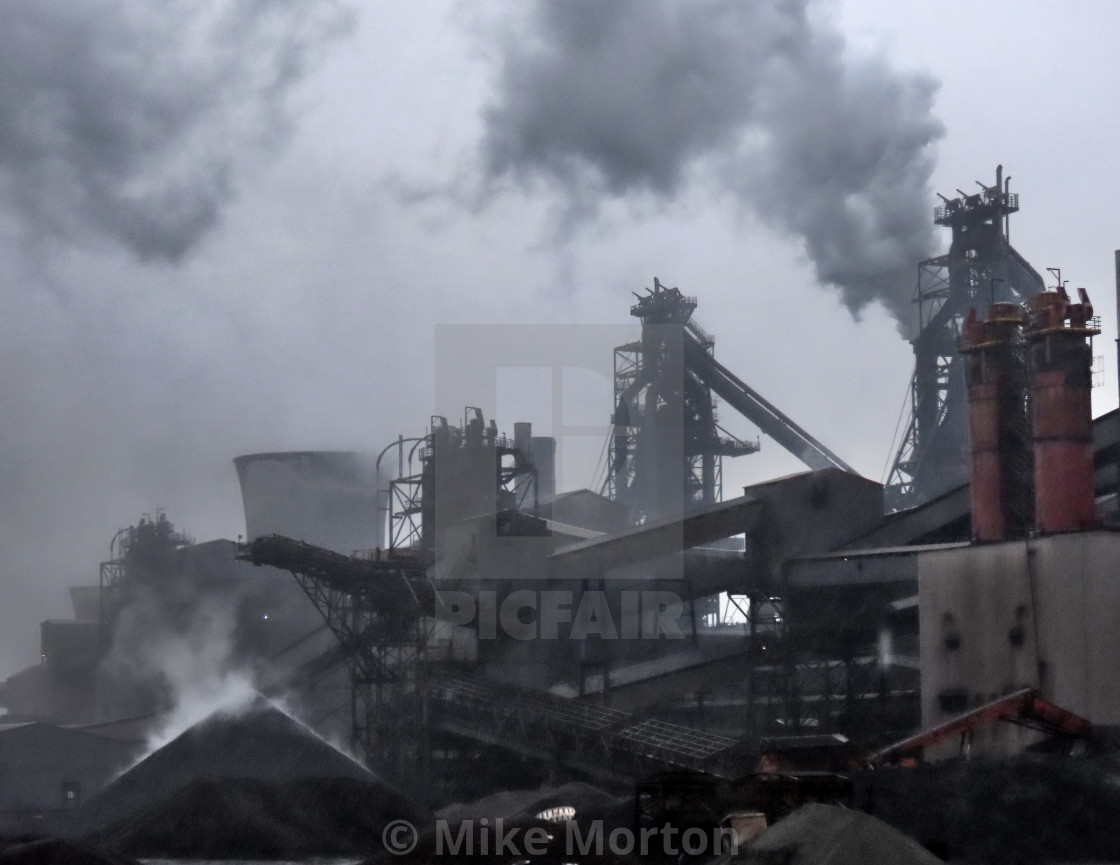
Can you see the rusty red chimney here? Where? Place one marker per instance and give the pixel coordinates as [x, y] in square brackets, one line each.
[995, 372]
[1060, 336]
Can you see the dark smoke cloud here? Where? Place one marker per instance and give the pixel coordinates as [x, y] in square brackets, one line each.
[644, 96]
[130, 120]
[125, 128]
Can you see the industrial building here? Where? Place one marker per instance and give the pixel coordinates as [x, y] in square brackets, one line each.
[45, 767]
[463, 622]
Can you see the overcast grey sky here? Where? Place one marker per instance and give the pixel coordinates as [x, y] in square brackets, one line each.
[234, 226]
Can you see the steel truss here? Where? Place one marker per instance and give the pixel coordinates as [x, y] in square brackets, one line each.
[665, 414]
[981, 268]
[597, 740]
[380, 612]
[411, 505]
[405, 512]
[821, 666]
[139, 553]
[627, 369]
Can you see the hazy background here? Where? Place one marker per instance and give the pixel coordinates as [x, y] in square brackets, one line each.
[233, 226]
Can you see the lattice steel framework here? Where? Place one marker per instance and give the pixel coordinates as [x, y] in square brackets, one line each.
[411, 496]
[981, 268]
[579, 734]
[627, 370]
[380, 612]
[405, 512]
[822, 665]
[668, 447]
[138, 553]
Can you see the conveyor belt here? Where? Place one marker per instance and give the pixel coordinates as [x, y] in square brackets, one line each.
[749, 403]
[523, 717]
[382, 586]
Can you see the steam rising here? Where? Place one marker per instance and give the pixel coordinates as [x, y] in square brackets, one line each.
[228, 692]
[175, 655]
[125, 131]
[642, 96]
[175, 650]
[132, 120]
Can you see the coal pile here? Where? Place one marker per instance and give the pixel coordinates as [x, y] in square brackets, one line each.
[831, 835]
[519, 811]
[261, 742]
[260, 819]
[54, 851]
[254, 785]
[1031, 808]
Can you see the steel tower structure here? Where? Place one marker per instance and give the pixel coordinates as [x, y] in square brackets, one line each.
[668, 447]
[667, 450]
[980, 269]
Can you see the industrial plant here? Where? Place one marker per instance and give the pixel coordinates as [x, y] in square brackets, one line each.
[441, 610]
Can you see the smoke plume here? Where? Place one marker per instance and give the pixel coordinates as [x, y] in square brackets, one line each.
[647, 96]
[173, 652]
[175, 655]
[131, 120]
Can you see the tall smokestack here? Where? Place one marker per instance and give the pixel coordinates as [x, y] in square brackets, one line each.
[1061, 409]
[995, 372]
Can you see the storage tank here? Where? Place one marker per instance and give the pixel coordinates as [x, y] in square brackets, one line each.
[326, 498]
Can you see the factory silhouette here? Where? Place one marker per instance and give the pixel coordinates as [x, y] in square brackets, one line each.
[442, 610]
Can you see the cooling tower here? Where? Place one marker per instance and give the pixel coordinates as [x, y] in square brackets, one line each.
[326, 498]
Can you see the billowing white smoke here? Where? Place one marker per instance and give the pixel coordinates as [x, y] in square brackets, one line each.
[174, 653]
[187, 667]
[610, 99]
[131, 120]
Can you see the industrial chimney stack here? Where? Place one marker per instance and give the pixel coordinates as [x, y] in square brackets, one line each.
[995, 372]
[1061, 384]
[1053, 361]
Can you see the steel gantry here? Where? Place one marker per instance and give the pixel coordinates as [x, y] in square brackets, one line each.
[379, 610]
[668, 446]
[980, 269]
